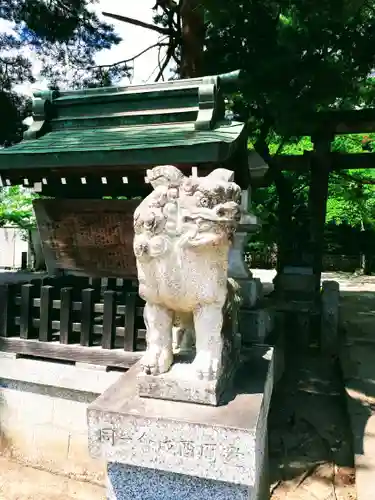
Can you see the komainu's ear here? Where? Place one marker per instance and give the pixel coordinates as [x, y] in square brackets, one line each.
[165, 175]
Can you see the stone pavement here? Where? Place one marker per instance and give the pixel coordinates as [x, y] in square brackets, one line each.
[18, 482]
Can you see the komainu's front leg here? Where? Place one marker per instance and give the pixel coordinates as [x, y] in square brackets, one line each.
[208, 322]
[158, 357]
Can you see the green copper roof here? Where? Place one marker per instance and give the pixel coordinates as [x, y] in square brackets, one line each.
[126, 146]
[173, 122]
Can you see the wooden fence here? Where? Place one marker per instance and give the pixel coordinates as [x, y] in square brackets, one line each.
[73, 319]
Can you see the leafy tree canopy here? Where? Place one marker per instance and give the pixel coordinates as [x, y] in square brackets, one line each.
[299, 56]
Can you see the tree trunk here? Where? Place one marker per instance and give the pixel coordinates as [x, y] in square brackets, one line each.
[320, 168]
[285, 210]
[192, 38]
[365, 257]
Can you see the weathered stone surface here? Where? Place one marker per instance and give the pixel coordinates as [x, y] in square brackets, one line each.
[330, 308]
[237, 268]
[248, 224]
[183, 234]
[181, 384]
[55, 375]
[299, 270]
[43, 418]
[295, 282]
[126, 482]
[251, 291]
[255, 325]
[225, 443]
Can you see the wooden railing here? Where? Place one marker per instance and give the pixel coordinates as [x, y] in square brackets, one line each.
[73, 319]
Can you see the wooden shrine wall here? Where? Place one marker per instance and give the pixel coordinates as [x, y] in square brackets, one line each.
[87, 237]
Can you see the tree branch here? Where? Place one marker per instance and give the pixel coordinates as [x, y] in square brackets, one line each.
[124, 61]
[357, 179]
[168, 57]
[163, 66]
[136, 22]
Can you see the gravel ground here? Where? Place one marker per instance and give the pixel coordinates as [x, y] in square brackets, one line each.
[18, 482]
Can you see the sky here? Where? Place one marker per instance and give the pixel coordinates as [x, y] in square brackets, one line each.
[134, 40]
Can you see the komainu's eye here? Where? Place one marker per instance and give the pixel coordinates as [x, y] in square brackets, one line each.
[204, 202]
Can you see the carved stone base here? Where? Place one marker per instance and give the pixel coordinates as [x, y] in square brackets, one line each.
[182, 384]
[179, 384]
[166, 450]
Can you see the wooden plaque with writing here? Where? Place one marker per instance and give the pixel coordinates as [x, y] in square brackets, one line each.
[87, 237]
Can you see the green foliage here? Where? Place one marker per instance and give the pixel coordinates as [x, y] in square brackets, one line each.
[299, 56]
[64, 36]
[16, 207]
[352, 199]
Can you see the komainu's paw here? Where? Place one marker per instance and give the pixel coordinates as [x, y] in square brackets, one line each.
[157, 361]
[206, 366]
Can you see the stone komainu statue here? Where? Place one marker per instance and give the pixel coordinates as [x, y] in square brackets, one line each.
[183, 232]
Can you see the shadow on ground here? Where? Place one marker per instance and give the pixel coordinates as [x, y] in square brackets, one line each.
[322, 417]
[358, 366]
[310, 438]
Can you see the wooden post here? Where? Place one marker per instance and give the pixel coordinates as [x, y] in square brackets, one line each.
[27, 311]
[45, 325]
[87, 317]
[109, 320]
[320, 169]
[7, 310]
[66, 316]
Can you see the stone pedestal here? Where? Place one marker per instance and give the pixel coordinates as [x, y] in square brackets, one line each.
[255, 325]
[162, 450]
[251, 289]
[296, 283]
[330, 309]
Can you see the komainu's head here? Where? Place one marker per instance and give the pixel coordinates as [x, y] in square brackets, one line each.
[214, 198]
[192, 211]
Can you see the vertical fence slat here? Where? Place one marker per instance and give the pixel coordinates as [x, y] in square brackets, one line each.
[79, 284]
[130, 309]
[66, 317]
[96, 283]
[45, 325]
[112, 283]
[109, 320]
[87, 317]
[26, 311]
[7, 310]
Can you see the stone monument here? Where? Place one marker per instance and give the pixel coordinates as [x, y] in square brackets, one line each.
[183, 234]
